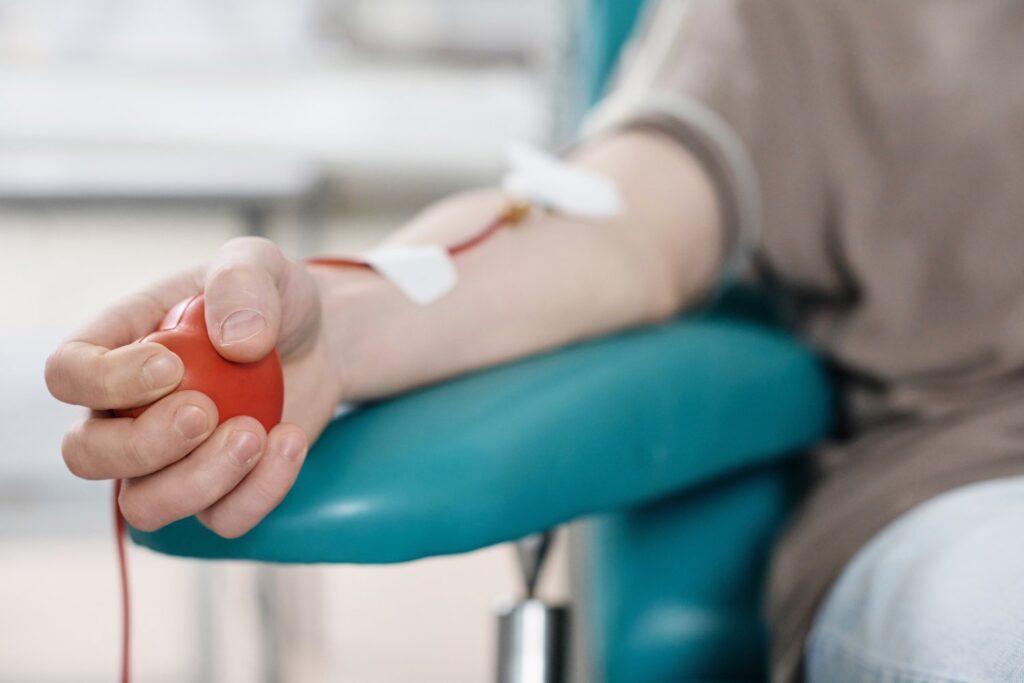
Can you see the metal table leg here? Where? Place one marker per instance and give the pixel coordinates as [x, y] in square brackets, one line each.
[533, 637]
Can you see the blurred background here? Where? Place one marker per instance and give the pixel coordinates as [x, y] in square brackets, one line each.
[135, 137]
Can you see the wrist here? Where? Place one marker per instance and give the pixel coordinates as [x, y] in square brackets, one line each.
[352, 301]
[369, 327]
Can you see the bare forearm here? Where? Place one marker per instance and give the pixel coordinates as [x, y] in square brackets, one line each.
[549, 281]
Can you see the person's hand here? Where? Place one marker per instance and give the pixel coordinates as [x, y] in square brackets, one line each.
[174, 459]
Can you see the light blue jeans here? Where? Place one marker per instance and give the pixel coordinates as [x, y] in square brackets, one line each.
[937, 596]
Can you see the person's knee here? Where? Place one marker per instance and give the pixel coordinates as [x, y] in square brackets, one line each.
[936, 596]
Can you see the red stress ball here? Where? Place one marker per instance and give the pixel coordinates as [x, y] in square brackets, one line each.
[253, 389]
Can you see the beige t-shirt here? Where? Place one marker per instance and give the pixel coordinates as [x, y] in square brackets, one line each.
[870, 160]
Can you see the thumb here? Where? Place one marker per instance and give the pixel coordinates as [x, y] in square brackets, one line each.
[246, 290]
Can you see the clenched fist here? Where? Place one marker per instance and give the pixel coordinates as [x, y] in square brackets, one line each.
[175, 458]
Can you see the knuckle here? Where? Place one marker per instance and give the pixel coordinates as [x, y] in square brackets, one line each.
[258, 245]
[71, 451]
[234, 283]
[136, 453]
[245, 258]
[228, 273]
[55, 373]
[269, 497]
[223, 527]
[204, 487]
[109, 389]
[136, 513]
[51, 371]
[231, 533]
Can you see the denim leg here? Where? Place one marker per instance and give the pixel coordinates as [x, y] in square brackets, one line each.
[936, 596]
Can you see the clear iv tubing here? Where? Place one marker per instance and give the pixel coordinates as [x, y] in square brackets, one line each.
[513, 214]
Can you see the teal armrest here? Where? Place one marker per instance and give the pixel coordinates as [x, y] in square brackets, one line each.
[502, 453]
[672, 591]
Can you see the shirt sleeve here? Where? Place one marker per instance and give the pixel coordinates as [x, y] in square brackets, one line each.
[729, 80]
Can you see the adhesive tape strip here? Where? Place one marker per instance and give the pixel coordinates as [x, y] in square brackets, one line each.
[542, 179]
[423, 273]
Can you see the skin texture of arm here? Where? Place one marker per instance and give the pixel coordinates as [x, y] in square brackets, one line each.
[350, 335]
[550, 281]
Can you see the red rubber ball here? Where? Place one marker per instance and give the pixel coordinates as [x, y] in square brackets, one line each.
[252, 389]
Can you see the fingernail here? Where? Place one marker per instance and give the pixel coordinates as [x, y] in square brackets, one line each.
[190, 421]
[244, 447]
[294, 447]
[242, 325]
[162, 370]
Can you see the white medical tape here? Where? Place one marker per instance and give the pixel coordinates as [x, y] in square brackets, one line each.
[423, 273]
[544, 180]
